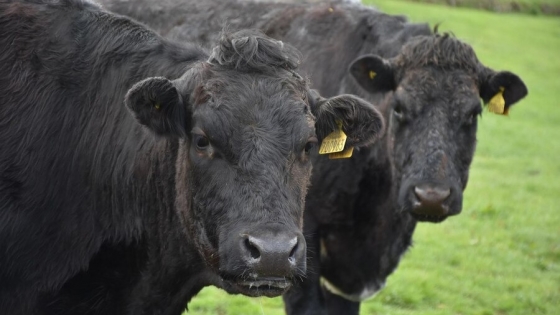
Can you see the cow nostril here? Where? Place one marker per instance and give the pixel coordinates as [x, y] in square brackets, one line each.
[253, 250]
[293, 252]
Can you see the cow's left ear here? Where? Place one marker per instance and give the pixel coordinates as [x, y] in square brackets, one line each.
[500, 90]
[360, 120]
[373, 73]
[157, 105]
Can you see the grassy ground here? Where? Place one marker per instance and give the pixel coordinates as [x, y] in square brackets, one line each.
[547, 7]
[502, 254]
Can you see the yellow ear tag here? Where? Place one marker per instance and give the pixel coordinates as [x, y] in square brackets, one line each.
[372, 74]
[157, 106]
[497, 103]
[331, 10]
[334, 142]
[342, 154]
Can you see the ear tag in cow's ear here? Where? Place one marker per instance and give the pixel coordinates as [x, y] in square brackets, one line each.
[497, 103]
[334, 142]
[372, 74]
[344, 154]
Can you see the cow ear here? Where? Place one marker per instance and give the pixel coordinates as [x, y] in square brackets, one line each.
[373, 73]
[360, 120]
[500, 90]
[157, 105]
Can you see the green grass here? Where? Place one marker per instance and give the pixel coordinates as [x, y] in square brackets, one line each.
[535, 7]
[502, 254]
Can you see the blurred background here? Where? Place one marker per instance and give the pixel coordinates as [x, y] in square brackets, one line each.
[501, 256]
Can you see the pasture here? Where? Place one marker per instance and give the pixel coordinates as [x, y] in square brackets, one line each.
[546, 7]
[502, 254]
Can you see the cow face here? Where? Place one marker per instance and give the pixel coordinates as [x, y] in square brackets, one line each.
[243, 161]
[437, 83]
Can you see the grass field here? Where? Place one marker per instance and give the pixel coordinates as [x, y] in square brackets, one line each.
[502, 254]
[535, 7]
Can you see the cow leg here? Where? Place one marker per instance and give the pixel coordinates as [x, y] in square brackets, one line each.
[337, 305]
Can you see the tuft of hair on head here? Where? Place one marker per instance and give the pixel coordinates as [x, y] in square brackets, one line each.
[251, 50]
[442, 50]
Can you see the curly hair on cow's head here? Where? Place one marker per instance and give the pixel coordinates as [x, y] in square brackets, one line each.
[251, 50]
[441, 50]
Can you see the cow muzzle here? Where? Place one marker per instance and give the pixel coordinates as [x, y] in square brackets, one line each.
[431, 202]
[265, 261]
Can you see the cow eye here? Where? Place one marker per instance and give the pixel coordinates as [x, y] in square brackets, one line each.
[311, 143]
[472, 117]
[201, 142]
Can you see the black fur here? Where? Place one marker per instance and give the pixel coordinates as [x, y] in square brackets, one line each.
[350, 111]
[361, 213]
[254, 53]
[156, 104]
[107, 208]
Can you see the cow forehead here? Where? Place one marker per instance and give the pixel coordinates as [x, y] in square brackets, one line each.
[257, 107]
[451, 93]
[429, 82]
[255, 118]
[224, 125]
[241, 90]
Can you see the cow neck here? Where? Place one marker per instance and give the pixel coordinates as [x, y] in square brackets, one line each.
[143, 171]
[132, 172]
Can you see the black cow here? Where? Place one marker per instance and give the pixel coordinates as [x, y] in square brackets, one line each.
[200, 179]
[361, 213]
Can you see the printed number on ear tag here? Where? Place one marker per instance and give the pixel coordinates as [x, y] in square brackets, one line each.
[334, 142]
[497, 103]
[342, 154]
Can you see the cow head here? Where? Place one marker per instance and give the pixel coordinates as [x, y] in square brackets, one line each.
[245, 124]
[436, 83]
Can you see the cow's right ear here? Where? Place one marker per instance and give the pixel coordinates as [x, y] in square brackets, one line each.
[360, 120]
[156, 104]
[507, 86]
[373, 73]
